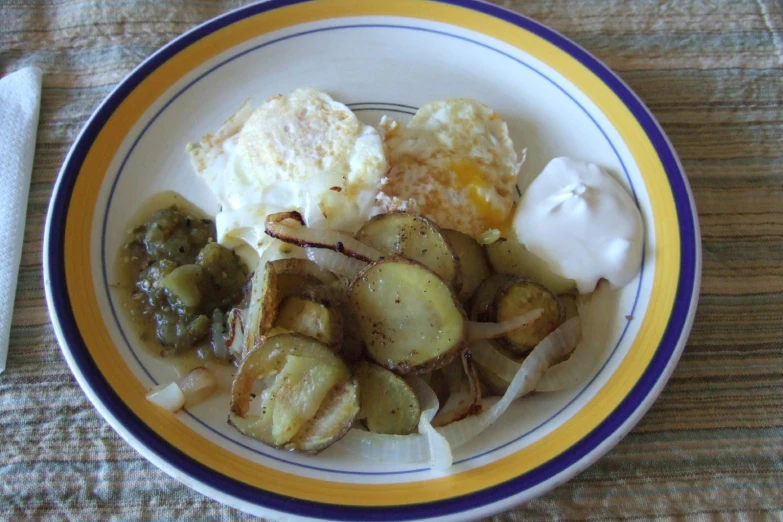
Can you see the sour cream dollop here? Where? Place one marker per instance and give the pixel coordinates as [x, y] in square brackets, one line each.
[583, 223]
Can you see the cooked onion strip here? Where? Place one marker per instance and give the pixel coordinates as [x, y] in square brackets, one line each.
[479, 331]
[290, 227]
[596, 316]
[167, 396]
[489, 357]
[197, 386]
[335, 262]
[555, 346]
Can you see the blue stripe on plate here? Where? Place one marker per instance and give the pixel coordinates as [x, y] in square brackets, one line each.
[72, 341]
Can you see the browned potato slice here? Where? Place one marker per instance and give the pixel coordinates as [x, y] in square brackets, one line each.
[414, 237]
[409, 318]
[303, 268]
[269, 358]
[472, 261]
[312, 312]
[389, 404]
[483, 308]
[519, 297]
[508, 256]
[332, 421]
[494, 383]
[464, 391]
[294, 274]
[293, 399]
[280, 279]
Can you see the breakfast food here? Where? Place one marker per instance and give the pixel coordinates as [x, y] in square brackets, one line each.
[303, 151]
[456, 161]
[399, 300]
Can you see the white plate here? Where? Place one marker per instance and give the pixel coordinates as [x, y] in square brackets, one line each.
[386, 57]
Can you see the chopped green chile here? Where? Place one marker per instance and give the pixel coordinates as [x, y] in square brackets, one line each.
[181, 277]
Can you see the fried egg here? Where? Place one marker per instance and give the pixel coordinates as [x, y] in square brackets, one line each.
[455, 162]
[303, 151]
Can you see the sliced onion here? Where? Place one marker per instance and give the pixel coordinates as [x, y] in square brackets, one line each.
[386, 448]
[596, 317]
[235, 332]
[440, 456]
[335, 262]
[290, 227]
[197, 386]
[555, 346]
[167, 396]
[478, 331]
[488, 356]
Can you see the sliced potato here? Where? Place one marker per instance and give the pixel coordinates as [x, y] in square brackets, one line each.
[295, 273]
[410, 320]
[270, 301]
[269, 358]
[414, 237]
[303, 268]
[520, 296]
[464, 391]
[472, 261]
[508, 256]
[305, 371]
[312, 311]
[389, 404]
[281, 278]
[483, 307]
[332, 421]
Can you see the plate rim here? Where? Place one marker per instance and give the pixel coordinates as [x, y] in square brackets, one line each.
[511, 493]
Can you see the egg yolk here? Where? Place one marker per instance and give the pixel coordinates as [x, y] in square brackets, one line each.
[470, 179]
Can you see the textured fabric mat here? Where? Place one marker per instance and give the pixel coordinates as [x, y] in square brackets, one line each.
[710, 447]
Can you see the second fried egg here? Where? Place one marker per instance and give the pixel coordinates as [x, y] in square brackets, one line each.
[456, 161]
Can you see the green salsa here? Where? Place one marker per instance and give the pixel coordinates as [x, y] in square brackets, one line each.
[182, 280]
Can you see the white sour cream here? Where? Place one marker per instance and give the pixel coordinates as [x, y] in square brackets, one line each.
[583, 223]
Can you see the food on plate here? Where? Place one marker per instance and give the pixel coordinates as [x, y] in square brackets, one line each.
[389, 404]
[196, 387]
[588, 227]
[314, 312]
[305, 372]
[301, 152]
[456, 161]
[508, 256]
[400, 300]
[414, 237]
[520, 296]
[178, 277]
[472, 261]
[409, 318]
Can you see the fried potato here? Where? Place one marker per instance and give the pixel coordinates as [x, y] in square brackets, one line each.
[409, 318]
[508, 256]
[472, 261]
[389, 404]
[519, 297]
[313, 312]
[414, 237]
